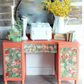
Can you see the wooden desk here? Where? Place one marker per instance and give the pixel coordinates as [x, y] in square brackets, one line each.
[66, 58]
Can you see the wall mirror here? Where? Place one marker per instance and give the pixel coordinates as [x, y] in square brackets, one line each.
[33, 10]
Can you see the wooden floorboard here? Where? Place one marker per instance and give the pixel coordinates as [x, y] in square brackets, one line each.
[39, 80]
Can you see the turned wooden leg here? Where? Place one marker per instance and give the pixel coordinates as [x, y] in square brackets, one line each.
[25, 65]
[5, 82]
[59, 81]
[22, 82]
[76, 82]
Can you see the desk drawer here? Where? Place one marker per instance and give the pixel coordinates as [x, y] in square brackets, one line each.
[40, 47]
[68, 62]
[13, 62]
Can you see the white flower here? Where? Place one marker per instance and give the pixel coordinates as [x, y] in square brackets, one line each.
[67, 61]
[17, 74]
[7, 58]
[74, 59]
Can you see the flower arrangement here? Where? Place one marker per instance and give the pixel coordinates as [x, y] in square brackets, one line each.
[58, 8]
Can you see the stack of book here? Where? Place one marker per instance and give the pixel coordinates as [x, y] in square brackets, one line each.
[60, 36]
[69, 36]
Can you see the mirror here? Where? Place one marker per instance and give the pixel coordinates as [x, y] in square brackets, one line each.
[33, 11]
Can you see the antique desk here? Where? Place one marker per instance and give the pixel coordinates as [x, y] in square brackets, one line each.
[66, 58]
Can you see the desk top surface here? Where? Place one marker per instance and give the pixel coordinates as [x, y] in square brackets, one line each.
[53, 41]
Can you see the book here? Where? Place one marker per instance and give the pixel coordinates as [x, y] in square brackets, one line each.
[60, 35]
[60, 38]
[67, 38]
[72, 35]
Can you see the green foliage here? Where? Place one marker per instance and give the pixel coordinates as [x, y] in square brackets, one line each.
[19, 23]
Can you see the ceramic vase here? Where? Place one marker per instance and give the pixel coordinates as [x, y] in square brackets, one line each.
[24, 28]
[12, 14]
[58, 25]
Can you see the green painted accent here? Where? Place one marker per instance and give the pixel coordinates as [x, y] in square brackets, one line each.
[13, 62]
[15, 33]
[68, 62]
[40, 47]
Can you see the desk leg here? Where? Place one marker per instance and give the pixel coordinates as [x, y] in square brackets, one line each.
[76, 82]
[59, 82]
[55, 64]
[22, 82]
[25, 64]
[5, 82]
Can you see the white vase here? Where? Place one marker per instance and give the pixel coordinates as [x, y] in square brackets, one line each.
[12, 14]
[24, 28]
[58, 24]
[55, 24]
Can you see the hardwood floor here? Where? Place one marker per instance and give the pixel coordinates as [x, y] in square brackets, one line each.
[39, 80]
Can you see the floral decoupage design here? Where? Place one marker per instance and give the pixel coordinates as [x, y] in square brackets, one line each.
[68, 62]
[40, 47]
[13, 62]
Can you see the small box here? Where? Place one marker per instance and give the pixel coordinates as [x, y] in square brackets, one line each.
[41, 31]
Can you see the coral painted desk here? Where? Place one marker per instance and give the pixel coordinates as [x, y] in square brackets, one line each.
[66, 58]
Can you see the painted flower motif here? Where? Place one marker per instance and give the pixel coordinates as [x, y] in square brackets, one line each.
[64, 56]
[39, 46]
[73, 59]
[55, 46]
[17, 74]
[6, 51]
[33, 47]
[51, 48]
[69, 75]
[15, 70]
[9, 69]
[72, 71]
[19, 54]
[17, 61]
[13, 63]
[62, 64]
[70, 67]
[7, 59]
[70, 52]
[7, 73]
[25, 46]
[73, 49]
[29, 50]
[62, 68]
[16, 51]
[45, 46]
[67, 54]
[67, 61]
[42, 50]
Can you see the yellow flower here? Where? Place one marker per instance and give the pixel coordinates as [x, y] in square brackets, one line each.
[58, 8]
